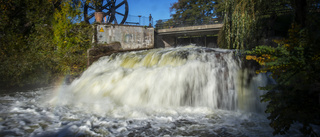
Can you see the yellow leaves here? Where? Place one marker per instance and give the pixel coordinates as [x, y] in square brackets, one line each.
[277, 41]
[275, 70]
[261, 60]
[266, 56]
[93, 1]
[249, 57]
[53, 1]
[75, 66]
[284, 42]
[287, 45]
[316, 57]
[261, 71]
[6, 5]
[295, 28]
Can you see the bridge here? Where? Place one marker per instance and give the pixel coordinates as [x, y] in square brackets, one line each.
[191, 30]
[204, 32]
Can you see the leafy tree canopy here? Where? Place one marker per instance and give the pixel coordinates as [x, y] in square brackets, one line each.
[41, 40]
[294, 64]
[193, 10]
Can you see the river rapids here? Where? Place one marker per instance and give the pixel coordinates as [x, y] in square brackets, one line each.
[184, 91]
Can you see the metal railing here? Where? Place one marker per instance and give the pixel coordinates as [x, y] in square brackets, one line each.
[169, 23]
[139, 20]
[133, 20]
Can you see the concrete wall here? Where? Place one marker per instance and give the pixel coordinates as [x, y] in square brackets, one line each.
[192, 30]
[130, 37]
[164, 41]
[173, 41]
[204, 41]
[202, 35]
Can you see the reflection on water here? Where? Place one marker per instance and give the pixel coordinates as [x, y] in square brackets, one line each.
[185, 91]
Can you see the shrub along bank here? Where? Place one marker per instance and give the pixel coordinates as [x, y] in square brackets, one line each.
[41, 41]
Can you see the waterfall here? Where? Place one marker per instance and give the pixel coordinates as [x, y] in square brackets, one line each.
[172, 77]
[184, 91]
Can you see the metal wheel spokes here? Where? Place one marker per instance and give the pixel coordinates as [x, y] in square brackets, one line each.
[119, 11]
[115, 11]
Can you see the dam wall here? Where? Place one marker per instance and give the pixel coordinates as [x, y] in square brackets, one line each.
[129, 37]
[111, 38]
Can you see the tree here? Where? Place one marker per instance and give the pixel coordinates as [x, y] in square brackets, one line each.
[294, 64]
[41, 40]
[246, 22]
[20, 58]
[87, 4]
[72, 38]
[193, 11]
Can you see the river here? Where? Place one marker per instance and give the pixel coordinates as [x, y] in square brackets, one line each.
[184, 91]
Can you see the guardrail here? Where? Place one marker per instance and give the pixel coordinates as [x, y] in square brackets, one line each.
[169, 23]
[134, 20]
[139, 20]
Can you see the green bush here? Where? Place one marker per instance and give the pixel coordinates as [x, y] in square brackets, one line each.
[41, 44]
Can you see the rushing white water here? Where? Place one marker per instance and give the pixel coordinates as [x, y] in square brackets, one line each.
[186, 91]
[162, 78]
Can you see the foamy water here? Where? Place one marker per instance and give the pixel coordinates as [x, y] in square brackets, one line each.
[184, 91]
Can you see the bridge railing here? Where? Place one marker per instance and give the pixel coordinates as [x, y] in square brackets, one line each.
[139, 20]
[169, 23]
[133, 20]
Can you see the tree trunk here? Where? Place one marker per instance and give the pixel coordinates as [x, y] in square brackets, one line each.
[300, 9]
[85, 12]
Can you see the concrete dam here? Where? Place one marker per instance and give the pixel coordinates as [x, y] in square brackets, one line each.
[110, 38]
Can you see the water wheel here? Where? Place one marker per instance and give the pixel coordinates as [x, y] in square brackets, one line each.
[115, 11]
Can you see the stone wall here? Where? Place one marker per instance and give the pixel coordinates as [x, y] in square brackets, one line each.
[130, 37]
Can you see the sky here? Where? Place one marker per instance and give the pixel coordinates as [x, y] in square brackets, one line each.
[159, 9]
